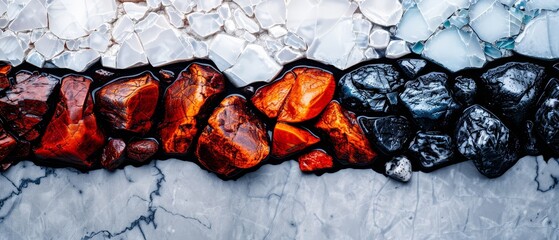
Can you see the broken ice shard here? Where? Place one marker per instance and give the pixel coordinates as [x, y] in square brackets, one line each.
[370, 89]
[484, 139]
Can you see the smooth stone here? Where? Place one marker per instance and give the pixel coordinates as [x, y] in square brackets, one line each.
[399, 168]
[388, 134]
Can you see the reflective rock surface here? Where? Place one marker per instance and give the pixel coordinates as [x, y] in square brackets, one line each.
[346, 136]
[432, 149]
[129, 103]
[370, 89]
[465, 90]
[73, 133]
[141, 150]
[241, 136]
[288, 140]
[484, 139]
[389, 134]
[315, 160]
[399, 168]
[113, 154]
[547, 116]
[186, 101]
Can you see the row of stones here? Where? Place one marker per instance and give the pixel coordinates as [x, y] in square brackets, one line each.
[303, 101]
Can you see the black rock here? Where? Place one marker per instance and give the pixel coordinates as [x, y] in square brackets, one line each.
[530, 143]
[432, 149]
[411, 67]
[547, 116]
[388, 134]
[513, 89]
[465, 90]
[429, 100]
[370, 89]
[484, 139]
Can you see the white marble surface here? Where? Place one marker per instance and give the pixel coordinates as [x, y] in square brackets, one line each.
[177, 200]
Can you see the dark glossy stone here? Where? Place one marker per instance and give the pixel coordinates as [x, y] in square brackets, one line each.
[530, 143]
[432, 149]
[141, 150]
[185, 104]
[399, 168]
[7, 144]
[484, 139]
[113, 154]
[288, 140]
[72, 134]
[128, 103]
[166, 75]
[103, 75]
[234, 139]
[346, 136]
[25, 103]
[429, 100]
[513, 89]
[4, 80]
[411, 67]
[388, 134]
[370, 89]
[315, 160]
[465, 90]
[547, 116]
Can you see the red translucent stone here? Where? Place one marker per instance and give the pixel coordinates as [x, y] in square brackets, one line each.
[347, 138]
[234, 139]
[25, 103]
[72, 134]
[288, 140]
[185, 103]
[113, 154]
[315, 160]
[141, 150]
[7, 144]
[270, 98]
[4, 80]
[128, 103]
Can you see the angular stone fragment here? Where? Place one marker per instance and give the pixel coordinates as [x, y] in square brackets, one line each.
[185, 101]
[514, 88]
[484, 139]
[288, 140]
[388, 134]
[25, 103]
[270, 98]
[530, 143]
[141, 150]
[344, 133]
[72, 134]
[234, 139]
[4, 80]
[411, 67]
[113, 154]
[312, 91]
[399, 168]
[7, 144]
[547, 116]
[370, 89]
[315, 160]
[465, 90]
[432, 149]
[429, 100]
[128, 103]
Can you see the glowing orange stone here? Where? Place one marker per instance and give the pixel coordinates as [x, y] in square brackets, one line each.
[348, 140]
[315, 160]
[288, 139]
[270, 98]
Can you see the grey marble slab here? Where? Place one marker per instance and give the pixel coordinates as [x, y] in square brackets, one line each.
[174, 199]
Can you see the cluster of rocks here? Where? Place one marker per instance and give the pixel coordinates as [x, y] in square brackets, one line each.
[387, 113]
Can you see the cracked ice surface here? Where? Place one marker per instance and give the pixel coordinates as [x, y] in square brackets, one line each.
[342, 33]
[455, 49]
[279, 201]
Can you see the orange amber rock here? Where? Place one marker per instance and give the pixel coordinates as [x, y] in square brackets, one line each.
[348, 140]
[185, 101]
[25, 103]
[234, 139]
[7, 144]
[141, 150]
[72, 134]
[129, 103]
[288, 139]
[113, 154]
[4, 80]
[315, 160]
[312, 91]
[270, 98]
[299, 95]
